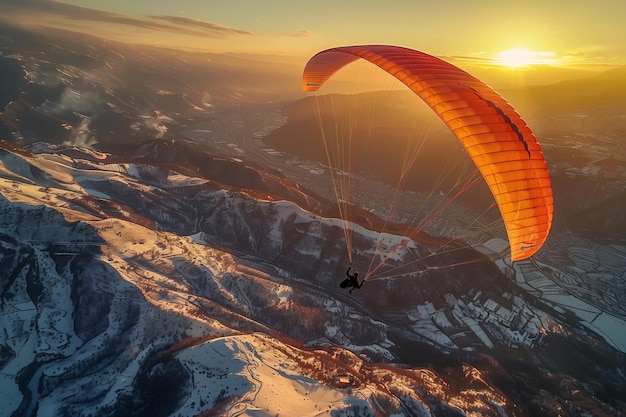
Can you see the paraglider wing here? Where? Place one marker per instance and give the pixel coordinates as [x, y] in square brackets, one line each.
[494, 135]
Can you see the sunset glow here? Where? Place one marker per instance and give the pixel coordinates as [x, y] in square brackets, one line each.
[523, 58]
[538, 35]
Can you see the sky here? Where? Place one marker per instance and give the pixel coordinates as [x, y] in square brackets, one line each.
[517, 36]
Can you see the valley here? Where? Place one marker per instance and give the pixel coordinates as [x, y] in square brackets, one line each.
[175, 249]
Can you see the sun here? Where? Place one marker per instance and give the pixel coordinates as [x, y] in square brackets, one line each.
[523, 58]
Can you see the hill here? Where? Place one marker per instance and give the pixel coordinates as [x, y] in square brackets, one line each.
[160, 258]
[124, 275]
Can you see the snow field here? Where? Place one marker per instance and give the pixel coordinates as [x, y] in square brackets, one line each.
[263, 381]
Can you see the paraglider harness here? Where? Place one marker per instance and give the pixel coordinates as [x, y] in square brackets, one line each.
[352, 280]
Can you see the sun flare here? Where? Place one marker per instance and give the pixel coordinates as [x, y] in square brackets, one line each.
[523, 58]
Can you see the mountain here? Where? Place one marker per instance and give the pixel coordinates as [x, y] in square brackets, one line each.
[124, 275]
[74, 88]
[167, 262]
[580, 125]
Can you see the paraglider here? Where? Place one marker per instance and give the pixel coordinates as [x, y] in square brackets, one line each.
[494, 135]
[352, 281]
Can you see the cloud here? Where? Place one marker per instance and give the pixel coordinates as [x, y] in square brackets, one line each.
[69, 11]
[201, 27]
[81, 136]
[154, 124]
[33, 9]
[301, 34]
[86, 102]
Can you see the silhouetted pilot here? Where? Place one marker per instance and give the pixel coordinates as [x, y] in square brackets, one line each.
[351, 281]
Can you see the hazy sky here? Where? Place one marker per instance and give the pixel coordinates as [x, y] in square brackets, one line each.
[548, 32]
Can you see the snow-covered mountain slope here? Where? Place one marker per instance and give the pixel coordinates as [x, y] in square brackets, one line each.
[132, 286]
[152, 278]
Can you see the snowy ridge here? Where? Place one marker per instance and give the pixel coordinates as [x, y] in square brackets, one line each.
[183, 300]
[151, 278]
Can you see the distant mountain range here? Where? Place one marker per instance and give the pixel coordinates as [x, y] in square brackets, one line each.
[52, 80]
[143, 273]
[581, 125]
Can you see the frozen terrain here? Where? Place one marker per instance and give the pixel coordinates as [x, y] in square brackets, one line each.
[107, 308]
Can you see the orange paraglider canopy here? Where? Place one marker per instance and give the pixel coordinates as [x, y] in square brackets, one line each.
[494, 135]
